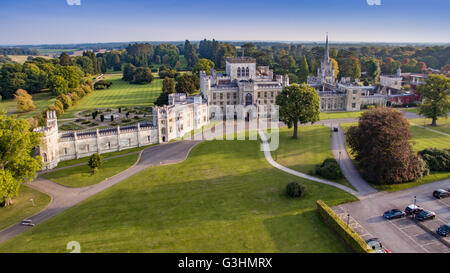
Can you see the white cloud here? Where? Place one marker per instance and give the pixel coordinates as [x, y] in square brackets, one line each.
[373, 2]
[78, 2]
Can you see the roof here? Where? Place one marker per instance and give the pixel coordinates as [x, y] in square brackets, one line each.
[241, 60]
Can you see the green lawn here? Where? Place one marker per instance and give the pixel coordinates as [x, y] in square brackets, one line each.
[224, 198]
[23, 207]
[41, 101]
[80, 176]
[311, 148]
[443, 124]
[339, 115]
[421, 139]
[119, 94]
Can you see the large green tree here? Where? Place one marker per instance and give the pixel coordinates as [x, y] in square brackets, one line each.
[203, 65]
[435, 94]
[298, 104]
[303, 71]
[17, 164]
[188, 84]
[190, 54]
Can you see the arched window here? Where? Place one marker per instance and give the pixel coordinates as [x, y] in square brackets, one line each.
[239, 72]
[44, 155]
[247, 72]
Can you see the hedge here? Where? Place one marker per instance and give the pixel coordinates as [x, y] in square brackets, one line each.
[350, 237]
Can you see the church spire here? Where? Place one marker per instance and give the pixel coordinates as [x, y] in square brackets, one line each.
[326, 55]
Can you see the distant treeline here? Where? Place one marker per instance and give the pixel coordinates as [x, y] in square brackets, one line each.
[18, 51]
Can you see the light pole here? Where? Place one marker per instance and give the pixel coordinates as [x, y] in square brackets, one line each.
[32, 201]
[414, 215]
[339, 155]
[348, 219]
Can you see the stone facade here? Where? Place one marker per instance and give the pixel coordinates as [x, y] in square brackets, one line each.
[182, 115]
[244, 83]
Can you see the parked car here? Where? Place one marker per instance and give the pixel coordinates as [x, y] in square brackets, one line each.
[440, 193]
[393, 214]
[335, 129]
[376, 246]
[443, 230]
[425, 214]
[27, 222]
[413, 209]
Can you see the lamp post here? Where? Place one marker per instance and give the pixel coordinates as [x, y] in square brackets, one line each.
[32, 201]
[339, 155]
[414, 215]
[348, 219]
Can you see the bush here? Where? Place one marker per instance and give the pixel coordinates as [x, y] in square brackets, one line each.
[437, 160]
[95, 161]
[102, 84]
[329, 169]
[294, 190]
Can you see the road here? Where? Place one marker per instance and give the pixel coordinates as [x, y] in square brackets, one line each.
[401, 235]
[65, 197]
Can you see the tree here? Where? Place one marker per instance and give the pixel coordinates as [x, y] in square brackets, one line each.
[58, 85]
[24, 101]
[168, 85]
[350, 67]
[295, 190]
[64, 59]
[143, 75]
[381, 144]
[372, 68]
[17, 164]
[188, 84]
[298, 103]
[303, 71]
[95, 161]
[435, 94]
[203, 65]
[335, 66]
[190, 54]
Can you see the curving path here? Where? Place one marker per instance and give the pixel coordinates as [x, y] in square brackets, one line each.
[268, 156]
[65, 197]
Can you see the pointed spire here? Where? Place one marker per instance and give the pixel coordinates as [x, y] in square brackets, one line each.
[326, 55]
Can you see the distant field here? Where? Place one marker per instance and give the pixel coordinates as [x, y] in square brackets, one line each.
[22, 58]
[119, 94]
[41, 101]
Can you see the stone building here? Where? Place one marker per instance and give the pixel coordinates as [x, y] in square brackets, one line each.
[243, 83]
[182, 115]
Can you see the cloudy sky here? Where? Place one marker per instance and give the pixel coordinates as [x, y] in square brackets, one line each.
[63, 21]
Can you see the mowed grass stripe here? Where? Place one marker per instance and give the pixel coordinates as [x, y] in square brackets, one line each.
[119, 94]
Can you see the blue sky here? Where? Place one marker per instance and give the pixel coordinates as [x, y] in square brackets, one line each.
[54, 21]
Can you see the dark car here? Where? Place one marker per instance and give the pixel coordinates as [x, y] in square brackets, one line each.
[376, 246]
[443, 230]
[413, 209]
[335, 129]
[393, 214]
[440, 193]
[425, 214]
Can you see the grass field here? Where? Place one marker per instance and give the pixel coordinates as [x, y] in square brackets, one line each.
[311, 148]
[443, 124]
[80, 176]
[421, 139]
[338, 115]
[41, 101]
[22, 207]
[209, 203]
[120, 93]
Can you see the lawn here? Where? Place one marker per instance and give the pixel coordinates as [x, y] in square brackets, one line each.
[443, 124]
[80, 176]
[23, 207]
[339, 115]
[421, 139]
[119, 94]
[311, 148]
[41, 101]
[224, 198]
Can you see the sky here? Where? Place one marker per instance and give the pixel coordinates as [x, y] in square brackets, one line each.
[90, 21]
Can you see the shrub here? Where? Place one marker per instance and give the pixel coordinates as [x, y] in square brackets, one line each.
[329, 169]
[294, 190]
[95, 161]
[24, 101]
[102, 84]
[437, 160]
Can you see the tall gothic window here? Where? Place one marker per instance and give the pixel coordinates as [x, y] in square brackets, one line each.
[247, 72]
[239, 72]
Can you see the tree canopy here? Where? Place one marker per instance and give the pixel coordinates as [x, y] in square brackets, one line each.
[435, 94]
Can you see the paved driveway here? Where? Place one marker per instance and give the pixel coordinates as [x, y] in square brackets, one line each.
[401, 235]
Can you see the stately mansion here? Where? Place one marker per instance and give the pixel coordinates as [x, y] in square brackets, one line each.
[243, 84]
[182, 115]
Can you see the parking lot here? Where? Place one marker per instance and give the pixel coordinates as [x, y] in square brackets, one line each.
[406, 234]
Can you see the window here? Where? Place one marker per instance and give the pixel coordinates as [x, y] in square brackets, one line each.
[148, 138]
[239, 72]
[247, 72]
[353, 105]
[355, 91]
[65, 151]
[221, 96]
[228, 95]
[109, 145]
[44, 155]
[259, 95]
[214, 96]
[234, 96]
[271, 94]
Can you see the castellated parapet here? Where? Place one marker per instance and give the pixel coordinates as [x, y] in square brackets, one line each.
[182, 115]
